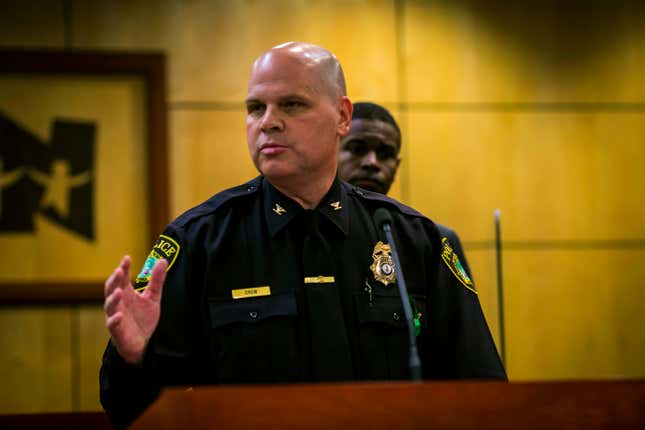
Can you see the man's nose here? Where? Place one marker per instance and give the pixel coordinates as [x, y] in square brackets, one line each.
[370, 159]
[271, 121]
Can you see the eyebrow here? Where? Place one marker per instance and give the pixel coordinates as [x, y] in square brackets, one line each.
[280, 98]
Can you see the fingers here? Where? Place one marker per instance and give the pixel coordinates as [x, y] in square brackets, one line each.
[112, 281]
[125, 265]
[157, 278]
[113, 321]
[111, 302]
[118, 278]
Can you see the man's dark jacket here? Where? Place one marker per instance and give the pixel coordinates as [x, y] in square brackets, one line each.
[242, 303]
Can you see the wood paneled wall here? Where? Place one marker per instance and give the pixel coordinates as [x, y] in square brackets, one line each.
[535, 108]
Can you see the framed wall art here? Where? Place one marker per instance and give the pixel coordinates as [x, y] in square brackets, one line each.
[83, 169]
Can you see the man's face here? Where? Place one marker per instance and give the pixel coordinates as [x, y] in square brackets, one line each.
[369, 155]
[293, 122]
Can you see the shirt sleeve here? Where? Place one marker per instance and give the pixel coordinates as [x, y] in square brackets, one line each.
[127, 390]
[458, 343]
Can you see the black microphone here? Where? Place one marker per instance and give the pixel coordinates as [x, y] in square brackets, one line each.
[383, 221]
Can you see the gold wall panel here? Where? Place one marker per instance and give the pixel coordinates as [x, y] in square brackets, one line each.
[93, 337]
[35, 364]
[554, 176]
[211, 45]
[208, 154]
[34, 23]
[575, 314]
[473, 51]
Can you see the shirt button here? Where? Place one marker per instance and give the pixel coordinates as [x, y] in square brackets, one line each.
[396, 316]
[253, 314]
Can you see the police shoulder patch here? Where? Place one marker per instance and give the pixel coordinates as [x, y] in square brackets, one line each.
[451, 259]
[166, 247]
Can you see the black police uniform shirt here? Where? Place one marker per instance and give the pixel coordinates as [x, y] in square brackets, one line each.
[243, 302]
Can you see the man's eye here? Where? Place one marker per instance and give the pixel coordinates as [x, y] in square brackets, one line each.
[386, 153]
[252, 109]
[292, 104]
[357, 147]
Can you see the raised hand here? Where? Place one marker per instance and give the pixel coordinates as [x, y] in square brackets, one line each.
[132, 317]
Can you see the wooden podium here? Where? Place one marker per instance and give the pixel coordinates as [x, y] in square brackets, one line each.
[402, 405]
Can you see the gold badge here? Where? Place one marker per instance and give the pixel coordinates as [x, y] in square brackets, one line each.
[336, 206]
[452, 261]
[279, 209]
[383, 265]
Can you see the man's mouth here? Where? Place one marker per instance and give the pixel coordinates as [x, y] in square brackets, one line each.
[271, 149]
[368, 184]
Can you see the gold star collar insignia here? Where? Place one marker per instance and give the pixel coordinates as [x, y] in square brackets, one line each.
[279, 209]
[336, 206]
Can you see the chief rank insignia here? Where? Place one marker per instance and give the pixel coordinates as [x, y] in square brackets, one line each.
[451, 259]
[383, 266]
[166, 247]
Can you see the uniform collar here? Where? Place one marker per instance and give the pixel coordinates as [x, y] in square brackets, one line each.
[279, 209]
[334, 206]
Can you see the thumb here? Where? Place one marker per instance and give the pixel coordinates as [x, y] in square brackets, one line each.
[157, 279]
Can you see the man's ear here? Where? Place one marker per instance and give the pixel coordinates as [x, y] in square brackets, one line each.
[345, 109]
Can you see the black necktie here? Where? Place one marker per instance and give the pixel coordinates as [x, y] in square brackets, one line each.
[330, 352]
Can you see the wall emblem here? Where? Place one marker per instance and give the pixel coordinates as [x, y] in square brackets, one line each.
[54, 179]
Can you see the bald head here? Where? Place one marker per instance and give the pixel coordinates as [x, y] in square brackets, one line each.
[318, 60]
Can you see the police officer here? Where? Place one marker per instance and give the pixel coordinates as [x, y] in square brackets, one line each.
[284, 278]
[370, 155]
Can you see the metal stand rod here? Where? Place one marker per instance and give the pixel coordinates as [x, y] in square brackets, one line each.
[500, 285]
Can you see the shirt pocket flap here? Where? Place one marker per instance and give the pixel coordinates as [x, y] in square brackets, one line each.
[388, 310]
[252, 310]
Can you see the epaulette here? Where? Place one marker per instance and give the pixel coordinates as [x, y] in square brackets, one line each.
[218, 200]
[385, 200]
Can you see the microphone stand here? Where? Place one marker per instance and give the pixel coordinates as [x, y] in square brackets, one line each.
[415, 361]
